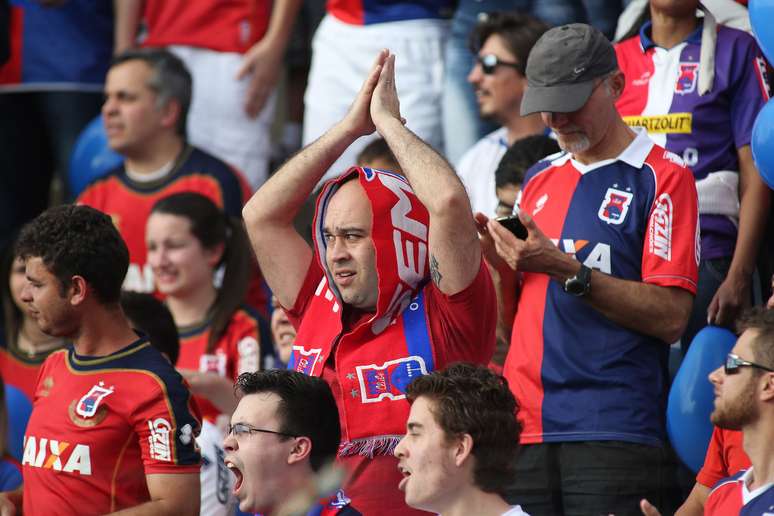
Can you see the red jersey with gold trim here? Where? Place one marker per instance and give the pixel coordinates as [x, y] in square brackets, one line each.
[19, 369]
[99, 425]
[244, 347]
[129, 202]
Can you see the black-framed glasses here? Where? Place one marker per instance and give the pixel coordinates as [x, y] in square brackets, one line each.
[490, 62]
[733, 363]
[243, 429]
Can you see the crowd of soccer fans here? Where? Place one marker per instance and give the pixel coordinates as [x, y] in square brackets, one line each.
[382, 257]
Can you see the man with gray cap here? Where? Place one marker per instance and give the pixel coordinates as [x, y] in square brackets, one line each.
[607, 276]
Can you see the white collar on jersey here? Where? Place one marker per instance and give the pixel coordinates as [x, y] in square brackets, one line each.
[634, 154]
[747, 495]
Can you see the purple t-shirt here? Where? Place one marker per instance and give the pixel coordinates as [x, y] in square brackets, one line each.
[662, 94]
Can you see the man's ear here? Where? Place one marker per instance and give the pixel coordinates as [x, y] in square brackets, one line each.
[767, 390]
[171, 113]
[617, 83]
[78, 291]
[463, 449]
[301, 450]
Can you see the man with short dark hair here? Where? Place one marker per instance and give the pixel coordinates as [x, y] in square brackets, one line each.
[111, 426]
[461, 439]
[608, 272]
[283, 431]
[147, 96]
[501, 43]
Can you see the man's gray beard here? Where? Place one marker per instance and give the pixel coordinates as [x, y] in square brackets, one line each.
[579, 144]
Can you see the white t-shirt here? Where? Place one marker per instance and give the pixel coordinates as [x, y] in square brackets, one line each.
[217, 481]
[515, 510]
[477, 167]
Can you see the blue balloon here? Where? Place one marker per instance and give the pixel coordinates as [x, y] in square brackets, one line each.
[92, 158]
[691, 398]
[761, 16]
[763, 143]
[18, 408]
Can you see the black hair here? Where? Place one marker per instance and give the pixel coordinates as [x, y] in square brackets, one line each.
[78, 241]
[171, 80]
[13, 318]
[471, 399]
[307, 408]
[150, 316]
[212, 227]
[378, 150]
[520, 156]
[519, 31]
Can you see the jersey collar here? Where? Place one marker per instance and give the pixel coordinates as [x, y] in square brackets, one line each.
[646, 42]
[634, 154]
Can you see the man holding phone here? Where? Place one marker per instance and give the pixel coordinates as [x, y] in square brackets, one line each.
[608, 274]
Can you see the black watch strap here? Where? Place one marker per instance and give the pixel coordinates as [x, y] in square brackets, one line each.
[579, 284]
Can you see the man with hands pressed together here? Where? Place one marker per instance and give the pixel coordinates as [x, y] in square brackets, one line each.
[369, 319]
[608, 273]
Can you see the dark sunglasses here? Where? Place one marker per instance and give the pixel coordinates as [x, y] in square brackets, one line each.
[490, 62]
[244, 429]
[733, 363]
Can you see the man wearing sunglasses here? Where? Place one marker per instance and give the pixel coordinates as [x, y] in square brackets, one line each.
[744, 400]
[501, 43]
[283, 431]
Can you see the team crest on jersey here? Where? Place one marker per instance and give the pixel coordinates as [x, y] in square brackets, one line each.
[686, 81]
[306, 360]
[615, 206]
[45, 386]
[389, 380]
[88, 404]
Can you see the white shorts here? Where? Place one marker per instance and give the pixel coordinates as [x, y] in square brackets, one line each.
[217, 121]
[342, 55]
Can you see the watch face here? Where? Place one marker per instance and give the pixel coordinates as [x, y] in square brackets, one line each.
[574, 286]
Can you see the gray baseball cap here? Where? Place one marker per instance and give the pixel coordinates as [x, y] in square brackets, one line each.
[562, 66]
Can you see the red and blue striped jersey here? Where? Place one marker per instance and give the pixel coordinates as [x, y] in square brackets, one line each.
[367, 12]
[662, 95]
[731, 496]
[579, 376]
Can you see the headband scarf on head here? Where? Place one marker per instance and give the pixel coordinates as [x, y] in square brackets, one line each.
[378, 357]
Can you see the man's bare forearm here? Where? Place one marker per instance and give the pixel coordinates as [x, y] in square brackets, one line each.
[430, 175]
[281, 197]
[660, 312]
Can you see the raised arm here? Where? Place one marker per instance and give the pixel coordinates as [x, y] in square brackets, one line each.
[455, 254]
[284, 256]
[127, 14]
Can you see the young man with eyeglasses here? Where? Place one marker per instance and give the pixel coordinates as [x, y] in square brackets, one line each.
[283, 431]
[501, 43]
[607, 277]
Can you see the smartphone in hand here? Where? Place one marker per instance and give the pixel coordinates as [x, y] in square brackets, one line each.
[514, 225]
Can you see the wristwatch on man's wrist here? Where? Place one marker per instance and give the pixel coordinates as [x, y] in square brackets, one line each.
[579, 284]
